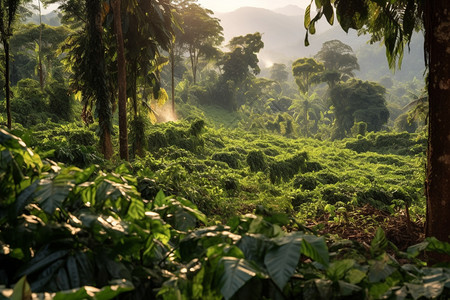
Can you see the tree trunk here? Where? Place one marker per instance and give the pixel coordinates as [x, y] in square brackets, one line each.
[41, 75]
[122, 77]
[437, 27]
[172, 68]
[7, 83]
[97, 75]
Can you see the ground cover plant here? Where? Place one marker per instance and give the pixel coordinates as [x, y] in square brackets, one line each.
[156, 249]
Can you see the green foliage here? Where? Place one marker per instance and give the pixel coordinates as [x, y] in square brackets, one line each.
[358, 101]
[256, 161]
[395, 143]
[287, 168]
[68, 229]
[29, 105]
[231, 159]
[391, 23]
[304, 70]
[337, 56]
[188, 139]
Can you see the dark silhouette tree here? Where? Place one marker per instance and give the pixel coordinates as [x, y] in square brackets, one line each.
[122, 80]
[8, 14]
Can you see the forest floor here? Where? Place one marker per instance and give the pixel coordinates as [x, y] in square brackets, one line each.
[360, 225]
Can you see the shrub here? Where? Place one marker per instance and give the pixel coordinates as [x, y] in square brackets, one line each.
[333, 194]
[286, 169]
[327, 177]
[306, 182]
[256, 161]
[360, 145]
[231, 159]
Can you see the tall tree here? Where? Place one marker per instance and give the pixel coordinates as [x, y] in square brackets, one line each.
[93, 70]
[8, 14]
[279, 73]
[149, 31]
[358, 101]
[304, 71]
[122, 80]
[393, 23]
[23, 47]
[201, 34]
[339, 57]
[242, 61]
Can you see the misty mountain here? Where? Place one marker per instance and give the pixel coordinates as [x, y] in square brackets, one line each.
[51, 18]
[283, 35]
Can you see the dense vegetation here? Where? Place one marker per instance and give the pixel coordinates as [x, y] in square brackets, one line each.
[243, 187]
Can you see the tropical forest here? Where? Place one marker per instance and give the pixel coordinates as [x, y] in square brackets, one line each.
[195, 149]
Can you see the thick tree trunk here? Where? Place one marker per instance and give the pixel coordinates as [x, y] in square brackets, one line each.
[7, 83]
[122, 77]
[97, 75]
[437, 25]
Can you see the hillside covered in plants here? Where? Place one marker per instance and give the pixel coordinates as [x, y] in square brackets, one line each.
[142, 157]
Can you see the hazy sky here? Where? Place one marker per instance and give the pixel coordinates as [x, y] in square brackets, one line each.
[230, 5]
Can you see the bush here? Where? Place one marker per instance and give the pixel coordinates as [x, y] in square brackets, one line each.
[231, 159]
[286, 169]
[376, 196]
[360, 145]
[256, 161]
[333, 194]
[306, 182]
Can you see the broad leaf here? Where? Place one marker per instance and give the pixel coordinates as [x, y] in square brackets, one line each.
[316, 248]
[281, 261]
[428, 290]
[40, 262]
[22, 290]
[337, 269]
[379, 243]
[236, 273]
[52, 192]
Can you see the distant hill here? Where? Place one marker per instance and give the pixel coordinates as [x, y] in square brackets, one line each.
[284, 34]
[52, 19]
[290, 10]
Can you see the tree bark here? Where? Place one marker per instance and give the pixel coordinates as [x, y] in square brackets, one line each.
[122, 77]
[437, 41]
[97, 76]
[7, 83]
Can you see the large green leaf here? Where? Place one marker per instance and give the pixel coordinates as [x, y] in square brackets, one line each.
[25, 197]
[22, 290]
[379, 271]
[52, 192]
[236, 273]
[254, 247]
[428, 291]
[379, 243]
[316, 248]
[72, 270]
[281, 261]
[337, 269]
[46, 275]
[90, 292]
[40, 262]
